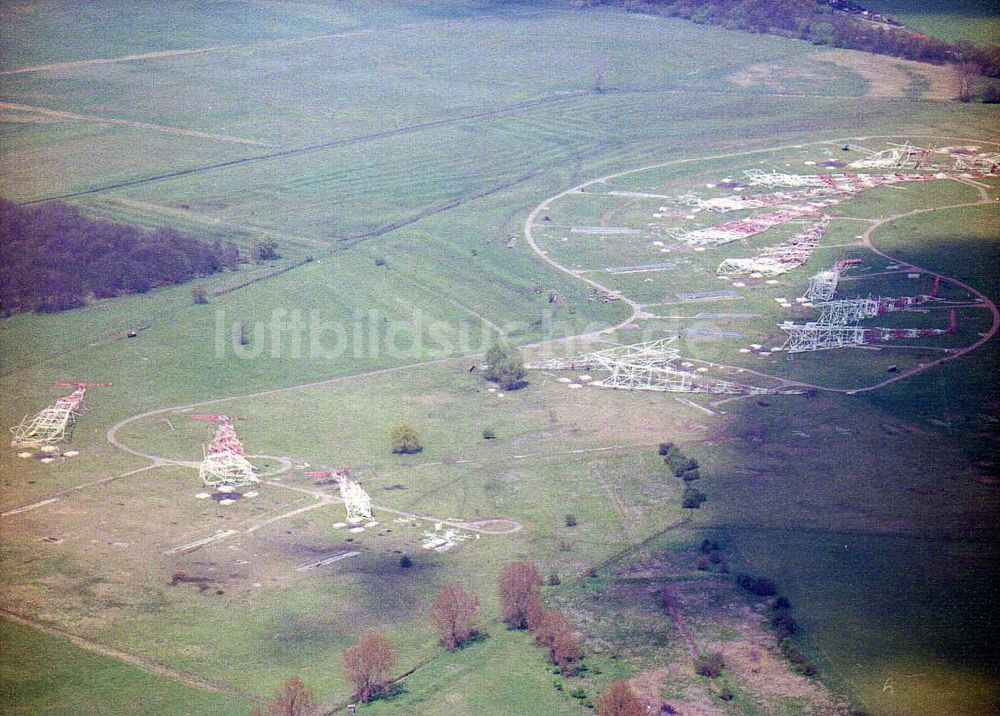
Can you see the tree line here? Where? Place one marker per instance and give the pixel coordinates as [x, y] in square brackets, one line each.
[818, 22]
[370, 662]
[54, 258]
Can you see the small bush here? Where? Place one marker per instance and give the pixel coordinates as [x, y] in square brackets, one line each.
[709, 664]
[800, 662]
[783, 624]
[665, 448]
[405, 440]
[709, 545]
[760, 586]
[405, 562]
[726, 694]
[703, 565]
[489, 434]
[692, 498]
[675, 461]
[578, 693]
[554, 580]
[380, 262]
[558, 684]
[571, 520]
[266, 251]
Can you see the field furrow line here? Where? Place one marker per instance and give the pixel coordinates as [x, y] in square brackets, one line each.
[73, 116]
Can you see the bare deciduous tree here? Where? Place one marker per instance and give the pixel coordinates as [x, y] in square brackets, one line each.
[369, 663]
[294, 698]
[555, 632]
[520, 600]
[453, 613]
[619, 700]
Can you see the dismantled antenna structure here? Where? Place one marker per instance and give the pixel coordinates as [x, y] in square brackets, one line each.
[817, 336]
[823, 285]
[852, 310]
[780, 258]
[50, 425]
[720, 234]
[645, 366]
[897, 156]
[356, 500]
[224, 464]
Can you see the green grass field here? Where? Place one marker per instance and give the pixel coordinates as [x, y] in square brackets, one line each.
[45, 674]
[401, 145]
[962, 21]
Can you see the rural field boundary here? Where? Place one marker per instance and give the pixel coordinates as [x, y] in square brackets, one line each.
[143, 662]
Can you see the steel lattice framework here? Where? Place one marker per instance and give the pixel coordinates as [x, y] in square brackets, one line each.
[816, 336]
[983, 163]
[50, 425]
[645, 366]
[846, 183]
[743, 228]
[819, 336]
[823, 285]
[780, 258]
[758, 177]
[356, 500]
[224, 464]
[897, 156]
[852, 310]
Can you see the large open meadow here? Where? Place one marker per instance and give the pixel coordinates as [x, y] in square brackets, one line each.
[438, 176]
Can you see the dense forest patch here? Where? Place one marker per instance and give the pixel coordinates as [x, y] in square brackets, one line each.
[53, 258]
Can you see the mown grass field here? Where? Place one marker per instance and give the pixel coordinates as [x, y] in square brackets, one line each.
[402, 145]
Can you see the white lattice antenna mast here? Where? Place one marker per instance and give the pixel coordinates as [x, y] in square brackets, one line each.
[50, 425]
[645, 366]
[744, 228]
[896, 156]
[780, 258]
[356, 500]
[820, 336]
[817, 336]
[852, 310]
[823, 285]
[224, 464]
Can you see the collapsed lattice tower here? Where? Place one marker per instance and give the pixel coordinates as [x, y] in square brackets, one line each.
[356, 500]
[645, 366]
[224, 464]
[780, 258]
[823, 285]
[50, 425]
[817, 336]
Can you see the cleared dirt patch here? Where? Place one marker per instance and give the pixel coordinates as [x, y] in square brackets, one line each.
[776, 76]
[893, 78]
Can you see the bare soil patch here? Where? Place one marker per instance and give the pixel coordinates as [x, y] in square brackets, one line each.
[892, 78]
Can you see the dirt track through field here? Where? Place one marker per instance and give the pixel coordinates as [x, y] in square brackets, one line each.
[73, 116]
